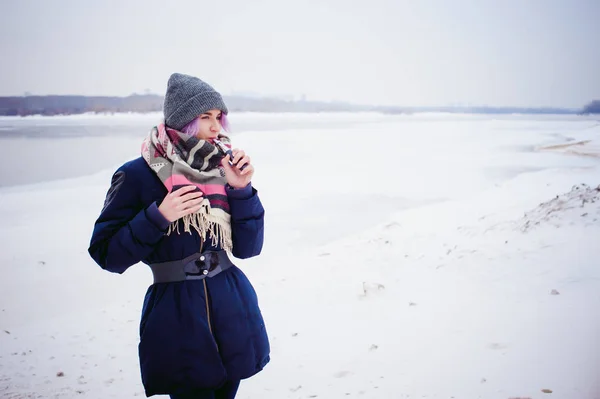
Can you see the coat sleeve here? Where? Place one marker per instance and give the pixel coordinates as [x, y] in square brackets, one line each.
[247, 221]
[125, 232]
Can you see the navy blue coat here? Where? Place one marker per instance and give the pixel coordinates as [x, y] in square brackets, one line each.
[178, 353]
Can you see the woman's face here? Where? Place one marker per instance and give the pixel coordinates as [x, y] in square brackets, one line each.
[209, 125]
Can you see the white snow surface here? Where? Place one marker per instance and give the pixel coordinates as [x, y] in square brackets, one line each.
[422, 256]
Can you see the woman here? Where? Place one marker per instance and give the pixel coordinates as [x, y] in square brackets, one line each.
[180, 208]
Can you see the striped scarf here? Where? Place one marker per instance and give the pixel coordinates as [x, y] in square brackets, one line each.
[182, 160]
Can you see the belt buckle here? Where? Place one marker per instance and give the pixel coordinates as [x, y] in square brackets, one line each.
[202, 266]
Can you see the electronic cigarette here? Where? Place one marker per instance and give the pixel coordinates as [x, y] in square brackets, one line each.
[224, 150]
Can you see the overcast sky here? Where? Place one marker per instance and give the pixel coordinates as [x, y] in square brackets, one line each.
[417, 52]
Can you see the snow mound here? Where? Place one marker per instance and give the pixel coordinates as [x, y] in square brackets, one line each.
[582, 199]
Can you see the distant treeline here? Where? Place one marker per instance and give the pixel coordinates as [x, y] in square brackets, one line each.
[61, 105]
[592, 108]
[142, 103]
[67, 105]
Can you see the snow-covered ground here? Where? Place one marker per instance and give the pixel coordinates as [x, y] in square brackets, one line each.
[405, 257]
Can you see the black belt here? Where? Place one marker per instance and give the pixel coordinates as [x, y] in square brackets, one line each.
[195, 267]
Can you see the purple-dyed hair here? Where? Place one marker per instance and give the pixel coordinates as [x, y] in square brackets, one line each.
[193, 127]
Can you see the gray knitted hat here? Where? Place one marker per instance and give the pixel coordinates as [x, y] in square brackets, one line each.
[186, 98]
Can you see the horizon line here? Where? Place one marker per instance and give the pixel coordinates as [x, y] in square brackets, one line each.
[315, 101]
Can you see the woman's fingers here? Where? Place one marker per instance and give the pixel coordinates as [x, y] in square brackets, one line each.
[191, 196]
[225, 162]
[245, 160]
[181, 191]
[183, 195]
[240, 160]
[192, 209]
[189, 204]
[238, 155]
[179, 200]
[247, 170]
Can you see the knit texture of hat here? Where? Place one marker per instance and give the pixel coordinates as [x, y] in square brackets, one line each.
[188, 97]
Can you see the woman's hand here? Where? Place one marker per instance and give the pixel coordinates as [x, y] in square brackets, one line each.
[236, 177]
[181, 202]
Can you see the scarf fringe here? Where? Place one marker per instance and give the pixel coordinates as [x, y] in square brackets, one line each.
[205, 223]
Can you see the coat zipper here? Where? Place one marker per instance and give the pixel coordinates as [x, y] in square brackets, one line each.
[207, 306]
[208, 313]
